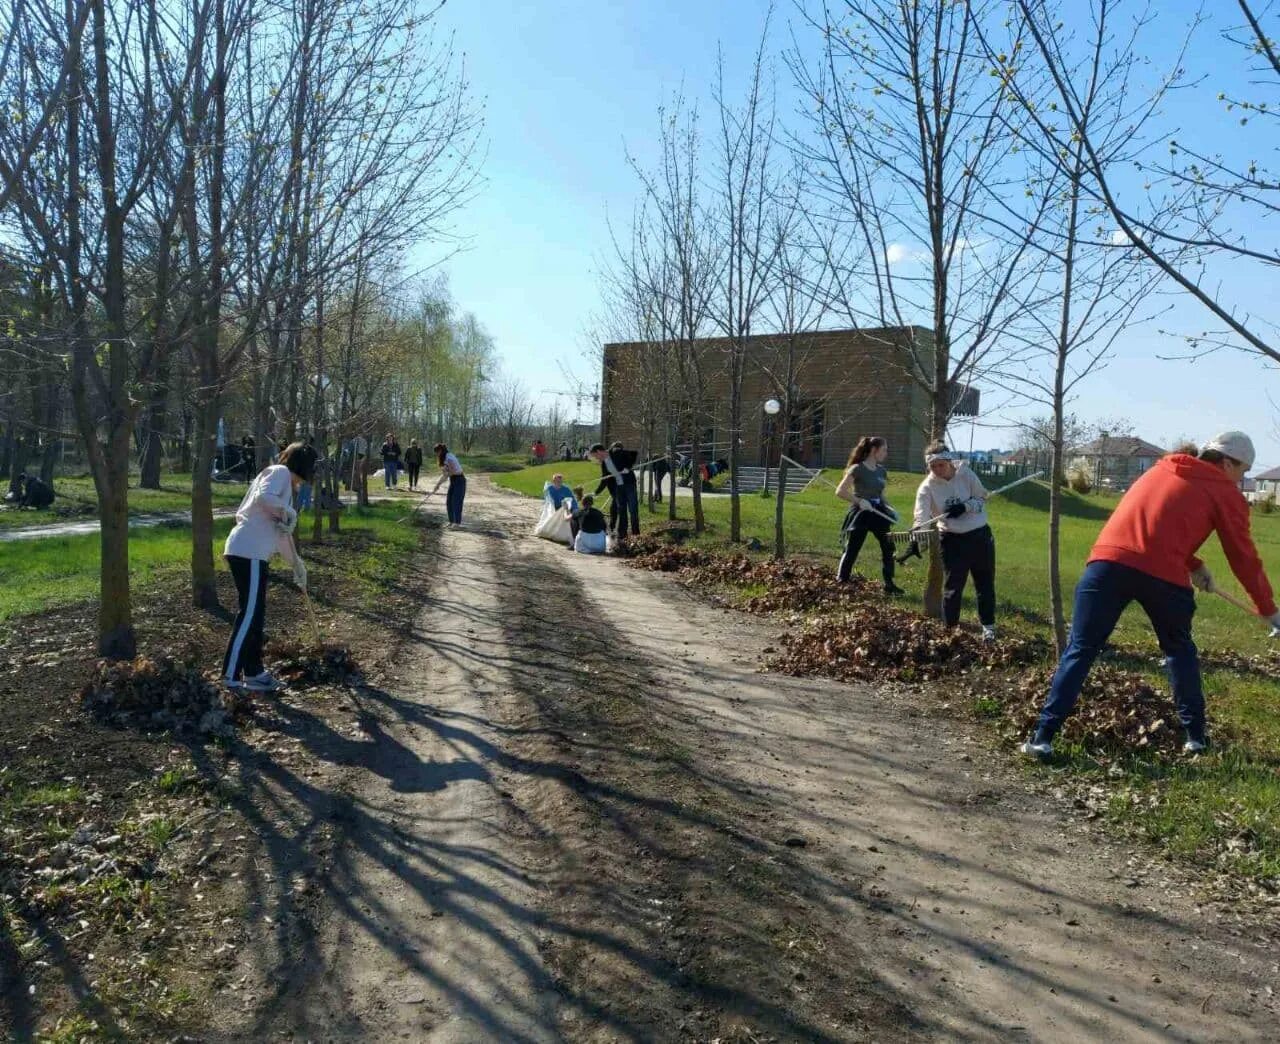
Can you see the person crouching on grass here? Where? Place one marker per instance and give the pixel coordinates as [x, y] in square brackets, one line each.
[265, 521]
[1146, 553]
[968, 546]
[863, 487]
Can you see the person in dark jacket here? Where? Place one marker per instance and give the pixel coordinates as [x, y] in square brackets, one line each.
[618, 477]
[590, 537]
[1146, 553]
[413, 462]
[390, 460]
[34, 493]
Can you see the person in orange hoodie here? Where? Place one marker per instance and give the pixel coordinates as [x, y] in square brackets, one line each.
[1146, 553]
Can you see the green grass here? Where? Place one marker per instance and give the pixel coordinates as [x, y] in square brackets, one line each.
[54, 571]
[484, 461]
[1221, 809]
[77, 492]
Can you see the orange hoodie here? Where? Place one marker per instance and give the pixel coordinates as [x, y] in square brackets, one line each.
[1169, 512]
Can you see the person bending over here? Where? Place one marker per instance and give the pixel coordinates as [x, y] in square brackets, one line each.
[968, 546]
[34, 493]
[1146, 553]
[451, 472]
[265, 521]
[863, 487]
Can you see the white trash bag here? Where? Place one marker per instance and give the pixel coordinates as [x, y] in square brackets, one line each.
[590, 543]
[553, 525]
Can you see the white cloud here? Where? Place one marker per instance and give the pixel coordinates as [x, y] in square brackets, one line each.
[896, 253]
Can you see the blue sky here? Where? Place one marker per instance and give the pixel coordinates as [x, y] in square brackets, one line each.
[568, 87]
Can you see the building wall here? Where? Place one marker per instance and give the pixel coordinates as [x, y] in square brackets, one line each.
[859, 380]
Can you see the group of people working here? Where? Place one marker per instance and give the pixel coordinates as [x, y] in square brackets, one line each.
[571, 515]
[1146, 553]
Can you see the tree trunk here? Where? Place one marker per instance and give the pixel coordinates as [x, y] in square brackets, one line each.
[779, 534]
[157, 419]
[204, 589]
[699, 519]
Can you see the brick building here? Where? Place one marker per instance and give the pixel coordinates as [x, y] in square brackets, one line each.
[849, 383]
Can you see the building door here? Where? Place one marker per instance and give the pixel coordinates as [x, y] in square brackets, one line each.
[802, 438]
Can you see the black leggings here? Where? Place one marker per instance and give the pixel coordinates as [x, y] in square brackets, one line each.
[244, 647]
[964, 554]
[413, 470]
[857, 525]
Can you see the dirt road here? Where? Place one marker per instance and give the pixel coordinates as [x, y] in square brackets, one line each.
[577, 811]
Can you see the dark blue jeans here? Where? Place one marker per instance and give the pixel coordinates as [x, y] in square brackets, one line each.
[1103, 593]
[453, 500]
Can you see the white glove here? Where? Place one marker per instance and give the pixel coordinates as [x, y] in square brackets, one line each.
[289, 522]
[1202, 579]
[975, 504]
[300, 574]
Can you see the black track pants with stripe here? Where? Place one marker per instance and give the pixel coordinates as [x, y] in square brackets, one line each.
[244, 648]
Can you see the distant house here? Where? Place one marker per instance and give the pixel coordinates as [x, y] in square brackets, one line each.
[1114, 461]
[1267, 485]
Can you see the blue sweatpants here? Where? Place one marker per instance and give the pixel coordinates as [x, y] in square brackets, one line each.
[1104, 592]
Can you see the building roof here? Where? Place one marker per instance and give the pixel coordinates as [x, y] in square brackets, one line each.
[1268, 476]
[1119, 446]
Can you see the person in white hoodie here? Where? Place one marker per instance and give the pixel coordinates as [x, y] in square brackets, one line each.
[265, 521]
[968, 547]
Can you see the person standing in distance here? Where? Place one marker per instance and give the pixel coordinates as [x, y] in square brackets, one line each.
[265, 521]
[390, 460]
[863, 487]
[1146, 553]
[413, 462]
[968, 546]
[451, 471]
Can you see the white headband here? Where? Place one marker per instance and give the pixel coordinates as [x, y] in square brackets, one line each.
[929, 458]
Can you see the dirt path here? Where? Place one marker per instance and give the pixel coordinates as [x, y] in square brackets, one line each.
[577, 811]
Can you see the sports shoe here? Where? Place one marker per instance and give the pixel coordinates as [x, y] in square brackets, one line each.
[890, 588]
[988, 633]
[1193, 746]
[264, 682]
[233, 683]
[1038, 750]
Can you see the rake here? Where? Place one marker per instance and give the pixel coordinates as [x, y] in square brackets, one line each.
[912, 536]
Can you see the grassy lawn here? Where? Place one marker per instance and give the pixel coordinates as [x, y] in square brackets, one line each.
[1224, 808]
[77, 499]
[55, 571]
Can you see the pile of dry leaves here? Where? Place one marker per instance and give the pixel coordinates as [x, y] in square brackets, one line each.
[320, 663]
[1118, 711]
[868, 642]
[849, 632]
[161, 693]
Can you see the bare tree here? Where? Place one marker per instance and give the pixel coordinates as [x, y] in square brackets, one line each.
[747, 185]
[1226, 206]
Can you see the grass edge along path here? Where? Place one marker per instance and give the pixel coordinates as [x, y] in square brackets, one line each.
[1220, 811]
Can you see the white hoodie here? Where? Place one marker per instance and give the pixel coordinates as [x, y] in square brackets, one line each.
[255, 534]
[935, 495]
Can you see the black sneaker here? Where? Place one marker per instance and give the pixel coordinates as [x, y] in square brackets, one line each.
[890, 588]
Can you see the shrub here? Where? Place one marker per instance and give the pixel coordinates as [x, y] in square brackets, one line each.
[1265, 506]
[1079, 480]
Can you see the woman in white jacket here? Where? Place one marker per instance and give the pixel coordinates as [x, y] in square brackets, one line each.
[265, 521]
[968, 547]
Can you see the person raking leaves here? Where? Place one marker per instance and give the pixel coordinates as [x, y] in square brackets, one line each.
[265, 521]
[954, 499]
[1146, 553]
[863, 487]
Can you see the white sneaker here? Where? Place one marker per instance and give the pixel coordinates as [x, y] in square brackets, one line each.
[1194, 747]
[1039, 751]
[988, 633]
[264, 682]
